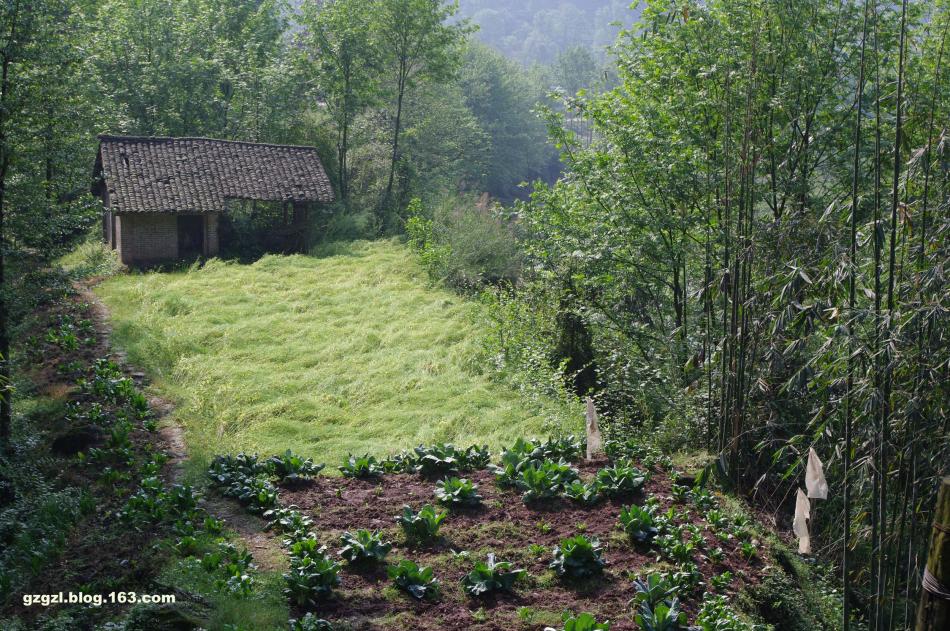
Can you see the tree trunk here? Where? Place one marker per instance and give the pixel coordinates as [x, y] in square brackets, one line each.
[395, 155]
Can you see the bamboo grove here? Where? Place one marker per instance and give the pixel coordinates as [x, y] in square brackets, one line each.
[753, 252]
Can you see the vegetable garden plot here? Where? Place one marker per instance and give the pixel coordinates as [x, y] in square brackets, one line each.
[501, 550]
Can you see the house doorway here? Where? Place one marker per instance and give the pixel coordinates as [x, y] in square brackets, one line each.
[191, 236]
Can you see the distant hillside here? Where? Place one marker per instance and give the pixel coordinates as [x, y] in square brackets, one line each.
[536, 31]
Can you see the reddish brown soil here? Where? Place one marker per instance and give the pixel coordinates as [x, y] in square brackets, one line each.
[502, 525]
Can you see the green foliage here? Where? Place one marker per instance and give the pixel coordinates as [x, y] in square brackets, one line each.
[544, 481]
[584, 494]
[653, 590]
[638, 523]
[720, 581]
[716, 615]
[422, 526]
[502, 97]
[457, 492]
[582, 622]
[364, 546]
[578, 558]
[309, 623]
[288, 521]
[364, 466]
[620, 480]
[290, 468]
[312, 574]
[464, 242]
[311, 578]
[418, 582]
[665, 616]
[442, 459]
[491, 576]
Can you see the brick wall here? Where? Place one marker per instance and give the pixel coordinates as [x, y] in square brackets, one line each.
[144, 238]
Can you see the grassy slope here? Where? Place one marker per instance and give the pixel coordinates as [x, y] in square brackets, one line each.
[348, 353]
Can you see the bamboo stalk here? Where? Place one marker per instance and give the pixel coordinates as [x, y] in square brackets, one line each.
[933, 614]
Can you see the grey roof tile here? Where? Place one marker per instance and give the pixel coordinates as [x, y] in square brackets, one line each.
[197, 175]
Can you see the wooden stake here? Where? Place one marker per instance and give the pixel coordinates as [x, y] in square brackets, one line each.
[934, 611]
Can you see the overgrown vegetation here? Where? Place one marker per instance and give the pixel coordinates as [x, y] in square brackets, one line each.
[210, 345]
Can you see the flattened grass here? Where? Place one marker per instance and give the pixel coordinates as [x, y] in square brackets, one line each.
[353, 352]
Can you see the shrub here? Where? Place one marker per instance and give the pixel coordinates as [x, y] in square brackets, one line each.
[638, 523]
[364, 546]
[464, 242]
[421, 526]
[620, 480]
[491, 576]
[418, 582]
[290, 468]
[578, 557]
[457, 492]
[364, 466]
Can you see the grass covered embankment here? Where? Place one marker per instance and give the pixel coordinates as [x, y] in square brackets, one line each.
[353, 352]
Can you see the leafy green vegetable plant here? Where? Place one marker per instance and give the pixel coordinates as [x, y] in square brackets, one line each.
[364, 466]
[364, 546]
[457, 493]
[418, 582]
[638, 523]
[491, 576]
[664, 617]
[288, 521]
[290, 468]
[620, 480]
[653, 589]
[311, 578]
[545, 480]
[422, 526]
[578, 557]
[716, 615]
[720, 581]
[309, 623]
[584, 494]
[438, 459]
[582, 622]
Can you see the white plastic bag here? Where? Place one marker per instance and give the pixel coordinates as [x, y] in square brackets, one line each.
[800, 523]
[815, 477]
[595, 443]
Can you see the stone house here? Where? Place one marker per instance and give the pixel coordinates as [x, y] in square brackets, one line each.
[164, 198]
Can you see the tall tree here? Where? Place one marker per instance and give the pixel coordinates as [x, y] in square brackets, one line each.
[343, 56]
[419, 45]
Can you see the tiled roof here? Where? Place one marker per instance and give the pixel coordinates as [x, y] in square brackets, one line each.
[197, 175]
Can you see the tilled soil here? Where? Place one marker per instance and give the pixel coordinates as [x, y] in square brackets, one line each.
[504, 526]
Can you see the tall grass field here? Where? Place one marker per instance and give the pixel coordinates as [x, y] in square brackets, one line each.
[351, 352]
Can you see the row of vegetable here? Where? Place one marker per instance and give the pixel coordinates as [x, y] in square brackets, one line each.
[540, 471]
